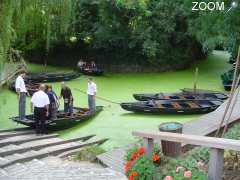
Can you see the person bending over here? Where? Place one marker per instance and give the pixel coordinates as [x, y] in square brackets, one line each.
[66, 93]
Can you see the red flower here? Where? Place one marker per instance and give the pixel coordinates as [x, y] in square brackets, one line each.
[168, 178]
[187, 174]
[141, 150]
[127, 165]
[134, 155]
[132, 175]
[155, 157]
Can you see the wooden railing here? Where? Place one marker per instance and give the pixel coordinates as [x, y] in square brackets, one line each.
[216, 145]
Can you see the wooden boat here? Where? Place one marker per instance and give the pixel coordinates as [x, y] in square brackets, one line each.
[51, 76]
[199, 91]
[31, 87]
[173, 106]
[181, 95]
[91, 71]
[62, 121]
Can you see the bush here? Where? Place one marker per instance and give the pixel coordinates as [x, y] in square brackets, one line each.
[89, 153]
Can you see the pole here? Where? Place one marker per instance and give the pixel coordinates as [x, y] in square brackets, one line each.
[195, 80]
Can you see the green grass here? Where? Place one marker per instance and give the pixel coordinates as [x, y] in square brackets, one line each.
[115, 123]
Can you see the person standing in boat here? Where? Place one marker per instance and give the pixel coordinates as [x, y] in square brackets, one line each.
[91, 91]
[80, 64]
[53, 106]
[40, 106]
[21, 93]
[93, 65]
[66, 93]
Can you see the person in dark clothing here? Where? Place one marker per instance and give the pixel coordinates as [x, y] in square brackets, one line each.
[53, 106]
[93, 65]
[66, 93]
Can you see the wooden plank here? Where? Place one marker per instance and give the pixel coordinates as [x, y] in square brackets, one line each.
[15, 133]
[14, 129]
[215, 166]
[148, 146]
[52, 151]
[35, 138]
[44, 145]
[219, 143]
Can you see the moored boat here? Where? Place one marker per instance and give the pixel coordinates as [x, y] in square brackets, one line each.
[180, 96]
[51, 76]
[173, 106]
[62, 121]
[92, 71]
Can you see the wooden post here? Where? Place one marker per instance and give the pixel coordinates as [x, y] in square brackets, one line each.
[148, 146]
[195, 81]
[215, 164]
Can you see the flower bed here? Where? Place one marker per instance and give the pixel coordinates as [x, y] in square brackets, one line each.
[139, 167]
[191, 165]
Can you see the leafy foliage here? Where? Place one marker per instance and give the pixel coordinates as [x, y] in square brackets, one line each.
[155, 32]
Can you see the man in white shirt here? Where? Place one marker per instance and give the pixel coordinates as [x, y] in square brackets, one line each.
[39, 105]
[21, 92]
[91, 91]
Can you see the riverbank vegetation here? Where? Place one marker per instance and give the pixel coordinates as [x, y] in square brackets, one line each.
[130, 35]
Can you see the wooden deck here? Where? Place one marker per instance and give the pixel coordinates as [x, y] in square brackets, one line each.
[205, 125]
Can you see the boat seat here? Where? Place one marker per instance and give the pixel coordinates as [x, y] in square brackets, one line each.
[159, 105]
[182, 97]
[192, 105]
[189, 97]
[218, 103]
[167, 97]
[176, 105]
[176, 97]
[204, 105]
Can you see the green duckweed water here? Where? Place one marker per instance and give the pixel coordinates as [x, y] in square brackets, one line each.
[115, 123]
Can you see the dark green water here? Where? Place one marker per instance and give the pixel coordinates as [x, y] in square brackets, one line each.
[115, 123]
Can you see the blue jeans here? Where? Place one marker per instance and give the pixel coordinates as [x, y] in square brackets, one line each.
[22, 105]
[91, 103]
[68, 107]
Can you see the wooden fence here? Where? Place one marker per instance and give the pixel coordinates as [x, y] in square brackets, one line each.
[216, 145]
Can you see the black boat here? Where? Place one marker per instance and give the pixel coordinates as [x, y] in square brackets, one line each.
[62, 121]
[31, 87]
[173, 106]
[91, 71]
[180, 95]
[51, 76]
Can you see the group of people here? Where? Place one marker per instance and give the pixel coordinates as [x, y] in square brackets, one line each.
[86, 66]
[45, 102]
